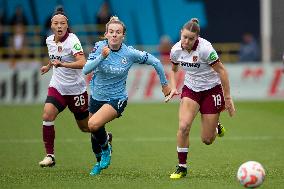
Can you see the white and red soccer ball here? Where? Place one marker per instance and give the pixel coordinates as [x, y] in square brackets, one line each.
[251, 174]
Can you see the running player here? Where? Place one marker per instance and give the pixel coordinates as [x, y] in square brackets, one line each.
[110, 61]
[206, 90]
[67, 86]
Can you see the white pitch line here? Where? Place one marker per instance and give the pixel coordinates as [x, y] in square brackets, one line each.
[142, 139]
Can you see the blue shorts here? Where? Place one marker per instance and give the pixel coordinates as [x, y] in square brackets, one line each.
[117, 104]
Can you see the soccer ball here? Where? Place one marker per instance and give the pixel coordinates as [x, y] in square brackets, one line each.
[251, 174]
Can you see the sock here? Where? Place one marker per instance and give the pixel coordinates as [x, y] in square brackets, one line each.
[48, 135]
[182, 156]
[101, 137]
[96, 148]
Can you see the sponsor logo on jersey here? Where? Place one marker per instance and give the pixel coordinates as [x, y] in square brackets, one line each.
[53, 57]
[194, 58]
[213, 56]
[77, 46]
[59, 48]
[192, 65]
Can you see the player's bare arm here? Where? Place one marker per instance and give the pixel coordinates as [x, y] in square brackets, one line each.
[78, 64]
[166, 90]
[45, 69]
[220, 69]
[174, 90]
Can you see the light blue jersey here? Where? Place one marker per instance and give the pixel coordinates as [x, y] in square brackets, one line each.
[110, 74]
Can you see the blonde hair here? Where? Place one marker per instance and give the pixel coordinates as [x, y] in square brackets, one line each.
[115, 20]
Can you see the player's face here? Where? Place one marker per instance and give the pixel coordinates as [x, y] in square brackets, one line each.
[59, 25]
[115, 35]
[188, 39]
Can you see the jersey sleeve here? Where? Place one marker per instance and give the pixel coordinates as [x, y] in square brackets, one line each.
[137, 56]
[94, 59]
[76, 46]
[96, 51]
[209, 54]
[174, 57]
[143, 57]
[47, 42]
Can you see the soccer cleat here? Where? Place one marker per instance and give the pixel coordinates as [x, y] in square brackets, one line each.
[109, 138]
[179, 173]
[106, 157]
[48, 161]
[220, 130]
[96, 169]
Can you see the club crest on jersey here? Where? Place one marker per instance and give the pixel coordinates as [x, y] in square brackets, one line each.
[124, 61]
[59, 48]
[194, 58]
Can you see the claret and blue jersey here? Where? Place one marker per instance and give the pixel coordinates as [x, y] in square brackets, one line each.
[110, 74]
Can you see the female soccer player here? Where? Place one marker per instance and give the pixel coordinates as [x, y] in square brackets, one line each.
[206, 90]
[67, 86]
[111, 60]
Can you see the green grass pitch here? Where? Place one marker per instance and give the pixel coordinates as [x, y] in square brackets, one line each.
[144, 147]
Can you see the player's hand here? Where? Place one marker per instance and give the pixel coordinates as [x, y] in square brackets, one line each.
[44, 69]
[171, 95]
[56, 63]
[105, 51]
[166, 90]
[229, 105]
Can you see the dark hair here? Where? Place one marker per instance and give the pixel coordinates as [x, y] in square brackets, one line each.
[192, 25]
[59, 10]
[115, 20]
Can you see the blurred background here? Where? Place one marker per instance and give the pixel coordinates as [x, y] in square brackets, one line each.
[248, 36]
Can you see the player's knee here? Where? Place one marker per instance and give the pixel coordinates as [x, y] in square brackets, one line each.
[84, 129]
[82, 121]
[207, 141]
[48, 117]
[183, 130]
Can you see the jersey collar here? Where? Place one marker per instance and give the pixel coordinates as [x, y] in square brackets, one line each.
[63, 38]
[195, 45]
